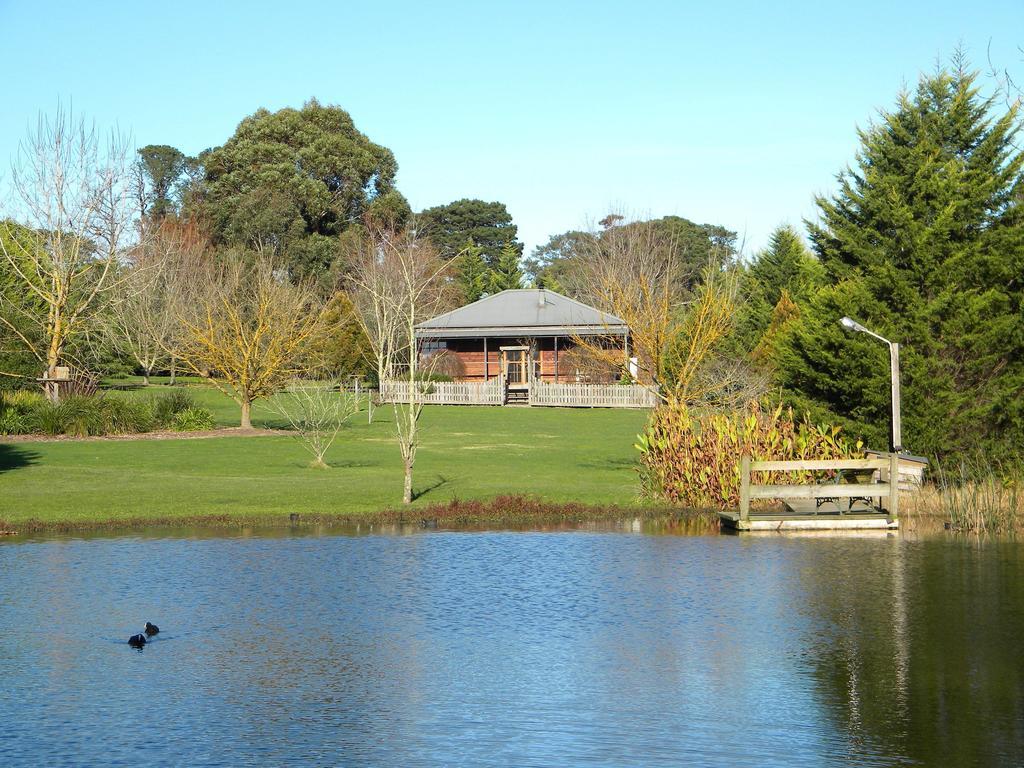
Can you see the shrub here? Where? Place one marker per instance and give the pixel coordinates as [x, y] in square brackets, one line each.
[693, 460]
[192, 420]
[169, 404]
[125, 417]
[13, 422]
[77, 416]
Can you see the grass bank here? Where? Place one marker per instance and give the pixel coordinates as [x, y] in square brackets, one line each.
[555, 456]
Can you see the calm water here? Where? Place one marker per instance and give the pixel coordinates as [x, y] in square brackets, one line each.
[517, 649]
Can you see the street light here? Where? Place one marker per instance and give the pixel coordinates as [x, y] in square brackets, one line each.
[895, 433]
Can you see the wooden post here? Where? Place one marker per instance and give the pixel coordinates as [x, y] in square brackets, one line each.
[894, 485]
[745, 487]
[556, 359]
[485, 359]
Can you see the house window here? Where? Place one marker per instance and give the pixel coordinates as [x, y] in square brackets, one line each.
[432, 347]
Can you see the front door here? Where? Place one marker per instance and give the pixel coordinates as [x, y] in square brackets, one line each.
[514, 362]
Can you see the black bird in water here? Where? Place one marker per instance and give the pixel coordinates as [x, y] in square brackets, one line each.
[151, 629]
[137, 641]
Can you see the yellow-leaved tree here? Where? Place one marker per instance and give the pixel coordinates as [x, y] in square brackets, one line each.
[246, 327]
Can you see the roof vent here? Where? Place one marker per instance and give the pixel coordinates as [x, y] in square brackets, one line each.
[540, 299]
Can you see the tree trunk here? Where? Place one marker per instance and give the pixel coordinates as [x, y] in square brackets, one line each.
[407, 493]
[145, 378]
[174, 368]
[246, 422]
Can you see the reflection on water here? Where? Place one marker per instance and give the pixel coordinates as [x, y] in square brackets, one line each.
[504, 648]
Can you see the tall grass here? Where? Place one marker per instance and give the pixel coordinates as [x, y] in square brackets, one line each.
[975, 496]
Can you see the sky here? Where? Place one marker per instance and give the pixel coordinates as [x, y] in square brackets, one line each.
[731, 113]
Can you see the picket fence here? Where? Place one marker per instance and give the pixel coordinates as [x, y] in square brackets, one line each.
[592, 395]
[446, 392]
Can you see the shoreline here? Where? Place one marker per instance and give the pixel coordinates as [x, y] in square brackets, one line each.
[501, 512]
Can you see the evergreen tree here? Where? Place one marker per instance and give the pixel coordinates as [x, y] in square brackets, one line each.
[923, 243]
[507, 273]
[786, 268]
[488, 225]
[472, 274]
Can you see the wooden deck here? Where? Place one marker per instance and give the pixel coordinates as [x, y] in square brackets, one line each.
[836, 505]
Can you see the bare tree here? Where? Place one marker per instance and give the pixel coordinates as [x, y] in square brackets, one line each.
[634, 271]
[141, 318]
[75, 200]
[316, 411]
[245, 327]
[397, 281]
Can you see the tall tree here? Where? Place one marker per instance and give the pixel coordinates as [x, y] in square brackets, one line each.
[784, 271]
[471, 273]
[506, 273]
[694, 246]
[488, 226]
[160, 169]
[74, 189]
[924, 243]
[291, 181]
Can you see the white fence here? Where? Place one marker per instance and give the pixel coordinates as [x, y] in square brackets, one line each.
[540, 393]
[446, 392]
[592, 395]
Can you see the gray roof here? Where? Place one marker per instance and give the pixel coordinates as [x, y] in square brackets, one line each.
[522, 312]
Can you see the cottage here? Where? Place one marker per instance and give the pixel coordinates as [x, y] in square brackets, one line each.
[522, 347]
[524, 335]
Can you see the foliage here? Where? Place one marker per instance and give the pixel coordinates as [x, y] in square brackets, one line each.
[19, 333]
[488, 226]
[781, 276]
[91, 415]
[694, 246]
[506, 274]
[344, 351]
[160, 169]
[924, 244]
[293, 180]
[192, 420]
[167, 405]
[693, 459]
[471, 273]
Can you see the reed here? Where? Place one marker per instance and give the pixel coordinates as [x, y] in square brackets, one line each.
[973, 496]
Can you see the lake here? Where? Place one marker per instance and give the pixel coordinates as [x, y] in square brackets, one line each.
[612, 648]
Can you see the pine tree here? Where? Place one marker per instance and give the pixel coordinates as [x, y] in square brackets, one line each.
[924, 243]
[785, 267]
[472, 274]
[507, 272]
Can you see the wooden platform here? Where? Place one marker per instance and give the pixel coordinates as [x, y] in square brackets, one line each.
[819, 506]
[803, 521]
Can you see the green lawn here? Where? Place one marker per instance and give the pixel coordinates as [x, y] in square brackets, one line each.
[467, 452]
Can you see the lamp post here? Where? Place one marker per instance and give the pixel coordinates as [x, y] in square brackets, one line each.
[896, 431]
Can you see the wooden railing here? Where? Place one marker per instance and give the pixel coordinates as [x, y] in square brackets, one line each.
[882, 491]
[592, 395]
[446, 392]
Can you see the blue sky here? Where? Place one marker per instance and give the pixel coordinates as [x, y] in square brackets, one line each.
[730, 113]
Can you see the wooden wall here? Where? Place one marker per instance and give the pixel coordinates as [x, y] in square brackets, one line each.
[470, 355]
